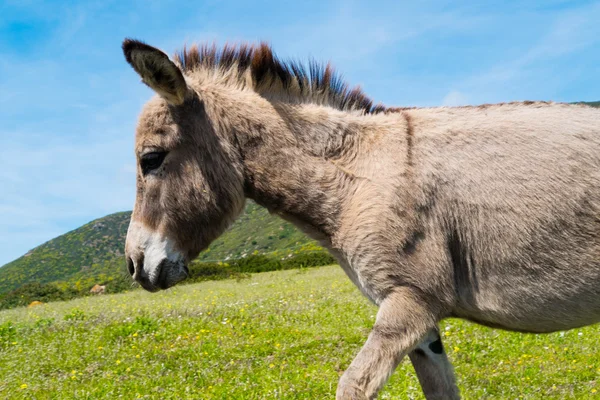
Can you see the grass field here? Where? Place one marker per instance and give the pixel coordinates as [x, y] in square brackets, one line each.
[276, 335]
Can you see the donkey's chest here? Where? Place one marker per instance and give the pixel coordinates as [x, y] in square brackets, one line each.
[362, 283]
[365, 282]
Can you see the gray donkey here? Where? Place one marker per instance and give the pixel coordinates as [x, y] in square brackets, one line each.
[488, 213]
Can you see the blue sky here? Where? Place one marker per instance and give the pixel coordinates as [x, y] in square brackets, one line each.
[69, 102]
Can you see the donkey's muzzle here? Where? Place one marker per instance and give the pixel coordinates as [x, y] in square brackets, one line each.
[136, 270]
[163, 276]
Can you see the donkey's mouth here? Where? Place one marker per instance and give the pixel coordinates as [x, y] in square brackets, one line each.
[168, 274]
[146, 283]
[154, 277]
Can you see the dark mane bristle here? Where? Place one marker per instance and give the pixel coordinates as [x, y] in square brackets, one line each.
[317, 83]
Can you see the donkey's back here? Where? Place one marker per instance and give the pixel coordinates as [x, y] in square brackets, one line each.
[517, 191]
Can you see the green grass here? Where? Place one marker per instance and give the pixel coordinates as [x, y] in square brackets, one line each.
[275, 335]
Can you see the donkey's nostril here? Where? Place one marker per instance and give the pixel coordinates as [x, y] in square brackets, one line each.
[130, 266]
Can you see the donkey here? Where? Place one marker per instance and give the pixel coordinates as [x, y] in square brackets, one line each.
[488, 213]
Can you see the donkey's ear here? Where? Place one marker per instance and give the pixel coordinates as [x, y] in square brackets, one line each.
[156, 70]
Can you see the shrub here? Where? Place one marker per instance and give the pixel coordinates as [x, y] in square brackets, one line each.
[256, 263]
[122, 283]
[202, 271]
[44, 292]
[305, 260]
[44, 323]
[199, 271]
[8, 333]
[75, 315]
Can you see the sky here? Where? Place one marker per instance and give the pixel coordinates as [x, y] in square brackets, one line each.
[69, 102]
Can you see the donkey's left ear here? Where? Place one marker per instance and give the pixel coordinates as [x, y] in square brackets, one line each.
[156, 70]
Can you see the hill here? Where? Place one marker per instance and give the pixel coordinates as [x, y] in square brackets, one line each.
[94, 252]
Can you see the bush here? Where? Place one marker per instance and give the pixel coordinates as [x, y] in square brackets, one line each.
[256, 263]
[202, 271]
[122, 283]
[199, 271]
[305, 260]
[44, 323]
[44, 292]
[8, 333]
[240, 268]
[75, 315]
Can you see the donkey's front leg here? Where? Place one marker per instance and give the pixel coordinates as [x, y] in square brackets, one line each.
[402, 322]
[433, 368]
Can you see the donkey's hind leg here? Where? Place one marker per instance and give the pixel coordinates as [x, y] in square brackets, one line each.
[403, 320]
[434, 371]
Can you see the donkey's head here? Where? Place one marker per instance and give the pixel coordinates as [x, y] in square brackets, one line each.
[214, 109]
[189, 182]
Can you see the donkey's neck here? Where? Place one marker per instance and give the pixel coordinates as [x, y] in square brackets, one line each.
[292, 166]
[321, 132]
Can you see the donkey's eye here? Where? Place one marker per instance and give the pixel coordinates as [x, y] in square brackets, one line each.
[151, 161]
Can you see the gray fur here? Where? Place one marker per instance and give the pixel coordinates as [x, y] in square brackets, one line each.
[487, 213]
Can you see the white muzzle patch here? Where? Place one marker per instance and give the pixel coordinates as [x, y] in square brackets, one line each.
[155, 252]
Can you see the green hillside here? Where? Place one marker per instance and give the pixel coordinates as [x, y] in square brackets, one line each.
[93, 253]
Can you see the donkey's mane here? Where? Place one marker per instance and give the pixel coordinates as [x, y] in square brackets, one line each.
[287, 80]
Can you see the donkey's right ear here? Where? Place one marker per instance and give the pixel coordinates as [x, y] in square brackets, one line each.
[157, 70]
